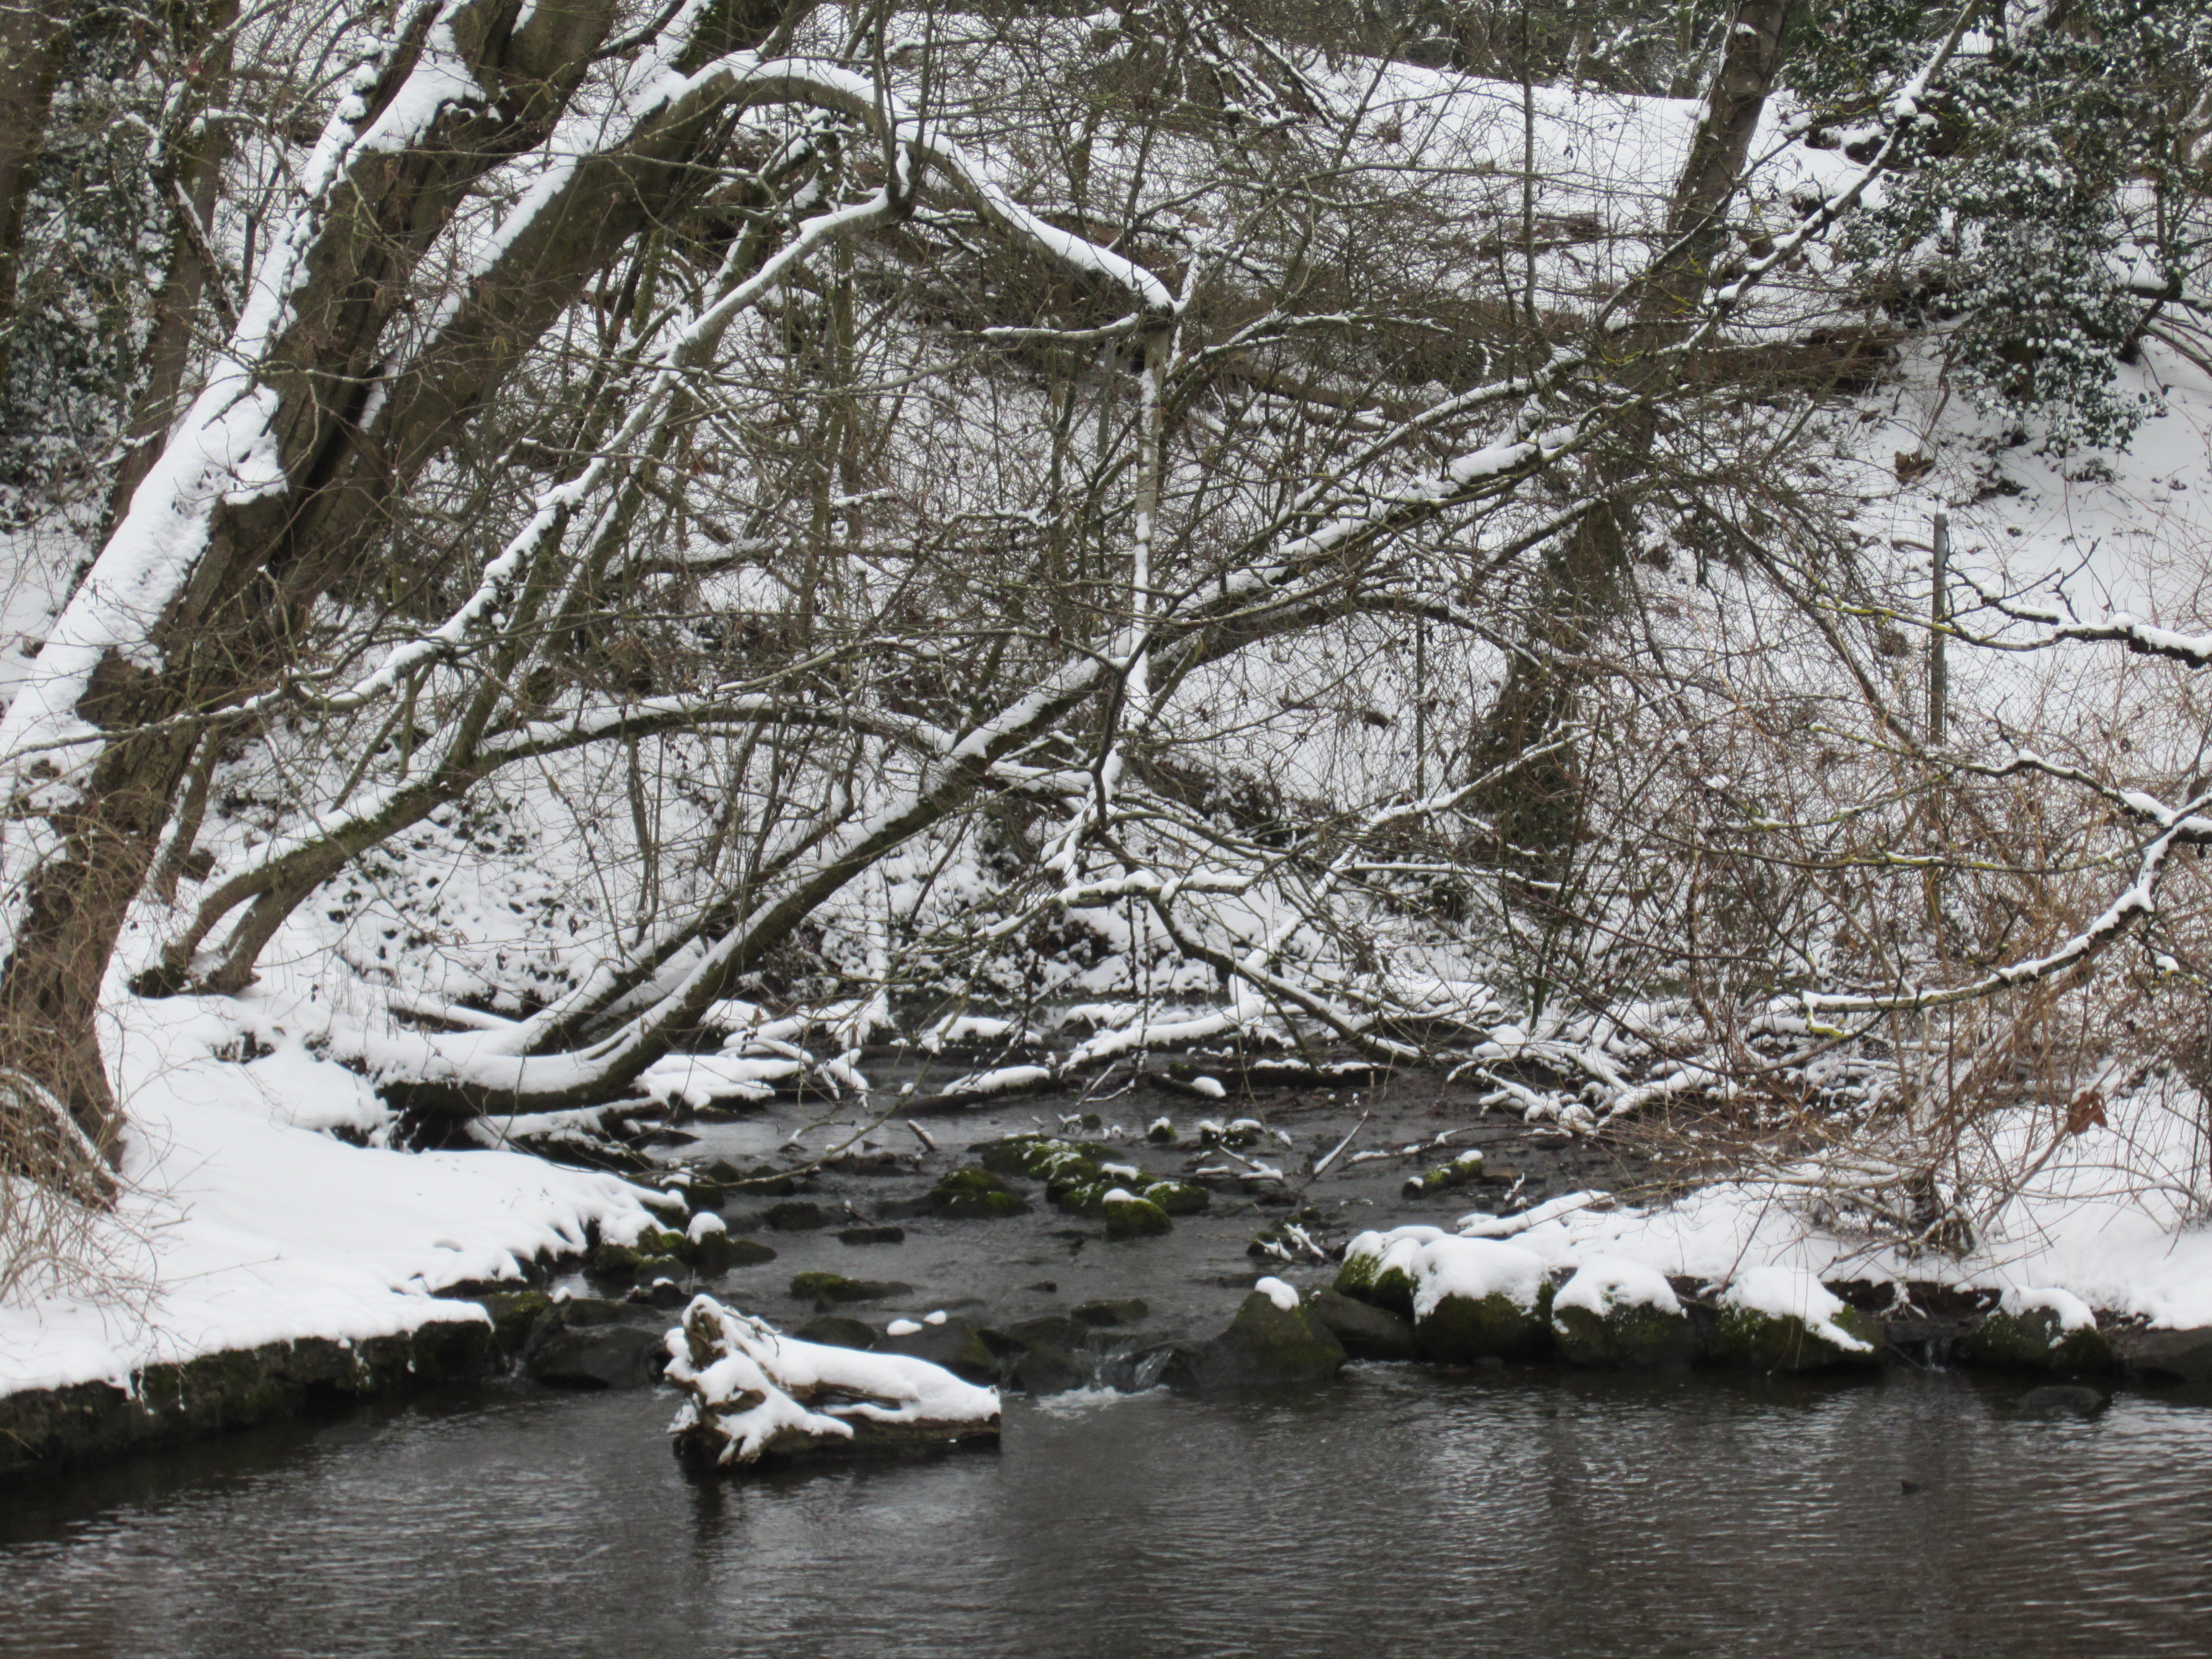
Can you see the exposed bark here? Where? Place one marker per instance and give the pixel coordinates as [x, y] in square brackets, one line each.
[225, 634]
[33, 36]
[1537, 808]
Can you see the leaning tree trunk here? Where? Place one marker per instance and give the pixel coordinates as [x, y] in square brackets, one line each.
[253, 508]
[33, 38]
[1536, 806]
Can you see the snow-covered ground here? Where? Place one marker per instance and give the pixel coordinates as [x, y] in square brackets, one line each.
[2114, 1215]
[245, 1223]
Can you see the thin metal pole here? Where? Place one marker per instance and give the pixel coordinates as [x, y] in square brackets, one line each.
[1939, 613]
[1420, 708]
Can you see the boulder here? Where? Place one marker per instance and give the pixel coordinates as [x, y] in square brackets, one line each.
[838, 1331]
[741, 1251]
[1129, 1216]
[828, 1290]
[1624, 1315]
[654, 1252]
[1059, 1163]
[797, 1217]
[1366, 1332]
[1047, 1355]
[1130, 1310]
[661, 1293]
[974, 1194]
[2039, 1330]
[2061, 1399]
[1274, 1340]
[2169, 1356]
[872, 1235]
[1374, 1270]
[598, 1356]
[754, 1396]
[953, 1343]
[514, 1314]
[1784, 1319]
[1473, 1298]
[1176, 1197]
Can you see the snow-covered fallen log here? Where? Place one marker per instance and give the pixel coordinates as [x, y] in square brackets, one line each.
[752, 1393]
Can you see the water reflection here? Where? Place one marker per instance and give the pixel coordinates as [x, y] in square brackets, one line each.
[1404, 1512]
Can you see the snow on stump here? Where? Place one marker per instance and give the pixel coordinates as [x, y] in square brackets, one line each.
[753, 1396]
[972, 1194]
[1129, 1216]
[1476, 1298]
[1784, 1319]
[2039, 1330]
[1375, 1267]
[1273, 1341]
[1622, 1315]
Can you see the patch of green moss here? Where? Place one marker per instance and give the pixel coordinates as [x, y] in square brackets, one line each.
[2032, 1341]
[1462, 1329]
[972, 1194]
[1177, 1197]
[1136, 1218]
[1784, 1342]
[1636, 1337]
[827, 1290]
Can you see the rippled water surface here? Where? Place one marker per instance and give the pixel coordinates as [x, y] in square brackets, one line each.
[1401, 1512]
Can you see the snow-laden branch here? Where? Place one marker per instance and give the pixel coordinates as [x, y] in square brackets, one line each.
[2138, 902]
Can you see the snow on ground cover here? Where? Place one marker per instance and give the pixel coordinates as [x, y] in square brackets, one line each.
[2113, 1219]
[241, 1226]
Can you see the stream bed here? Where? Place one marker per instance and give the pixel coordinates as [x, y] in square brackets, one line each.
[1402, 1511]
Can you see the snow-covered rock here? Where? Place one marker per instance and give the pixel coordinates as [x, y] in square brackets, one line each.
[1784, 1319]
[1618, 1312]
[2040, 1328]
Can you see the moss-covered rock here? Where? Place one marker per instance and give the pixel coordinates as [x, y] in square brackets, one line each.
[796, 1216]
[2046, 1331]
[1274, 1340]
[832, 1290]
[1162, 1131]
[1776, 1319]
[512, 1315]
[1176, 1197]
[747, 1251]
[655, 1251]
[1127, 1310]
[1366, 1332]
[1445, 1177]
[1459, 1330]
[1375, 1267]
[974, 1193]
[1242, 1132]
[1630, 1338]
[954, 1344]
[1624, 1315]
[1129, 1216]
[838, 1331]
[1057, 1162]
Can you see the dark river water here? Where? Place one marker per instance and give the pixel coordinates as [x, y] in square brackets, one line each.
[1403, 1512]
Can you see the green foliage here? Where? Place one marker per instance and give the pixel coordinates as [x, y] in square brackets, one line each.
[95, 234]
[2038, 204]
